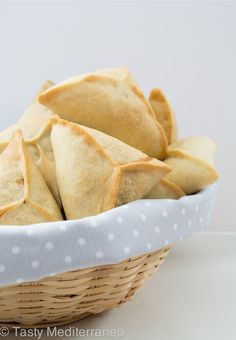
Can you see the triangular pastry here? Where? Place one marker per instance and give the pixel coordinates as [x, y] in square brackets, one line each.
[164, 114]
[191, 160]
[25, 197]
[96, 172]
[111, 102]
[35, 125]
[165, 189]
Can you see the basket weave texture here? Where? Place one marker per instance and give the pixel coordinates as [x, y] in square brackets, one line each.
[71, 296]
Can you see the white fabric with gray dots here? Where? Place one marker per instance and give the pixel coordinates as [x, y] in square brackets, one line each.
[30, 253]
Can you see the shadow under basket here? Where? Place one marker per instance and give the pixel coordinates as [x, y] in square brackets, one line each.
[71, 296]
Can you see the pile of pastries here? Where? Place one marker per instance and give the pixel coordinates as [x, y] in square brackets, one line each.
[92, 143]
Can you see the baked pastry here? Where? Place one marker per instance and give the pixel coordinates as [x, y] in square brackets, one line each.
[36, 117]
[111, 102]
[41, 150]
[96, 172]
[35, 124]
[6, 135]
[31, 122]
[165, 189]
[164, 114]
[191, 160]
[25, 197]
[96, 141]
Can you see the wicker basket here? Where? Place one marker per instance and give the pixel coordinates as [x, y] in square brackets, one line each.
[71, 296]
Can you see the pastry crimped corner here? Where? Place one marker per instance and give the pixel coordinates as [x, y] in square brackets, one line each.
[95, 142]
[97, 172]
[25, 197]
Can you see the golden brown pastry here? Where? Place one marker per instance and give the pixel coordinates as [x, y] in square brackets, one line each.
[31, 122]
[25, 197]
[36, 117]
[165, 190]
[41, 150]
[164, 114]
[35, 125]
[96, 172]
[111, 102]
[191, 160]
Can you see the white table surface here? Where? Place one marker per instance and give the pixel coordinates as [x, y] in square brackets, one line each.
[192, 297]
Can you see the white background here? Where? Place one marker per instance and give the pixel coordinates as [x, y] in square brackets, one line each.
[187, 48]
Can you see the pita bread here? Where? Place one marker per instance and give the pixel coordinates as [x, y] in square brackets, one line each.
[25, 197]
[166, 190]
[35, 125]
[164, 114]
[109, 101]
[96, 172]
[191, 160]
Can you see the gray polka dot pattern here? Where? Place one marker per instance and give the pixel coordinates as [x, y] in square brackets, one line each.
[29, 253]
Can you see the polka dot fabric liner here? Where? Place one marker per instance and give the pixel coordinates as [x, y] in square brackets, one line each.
[30, 253]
